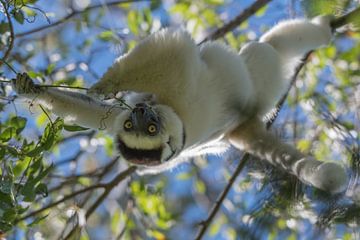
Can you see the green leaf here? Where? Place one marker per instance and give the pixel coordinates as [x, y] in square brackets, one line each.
[50, 69]
[7, 134]
[183, 176]
[29, 11]
[6, 201]
[304, 145]
[12, 150]
[28, 191]
[43, 174]
[9, 215]
[261, 11]
[133, 22]
[200, 186]
[42, 190]
[18, 123]
[321, 7]
[24, 2]
[106, 36]
[5, 226]
[214, 229]
[214, 2]
[20, 166]
[33, 74]
[36, 151]
[4, 27]
[19, 16]
[51, 134]
[154, 4]
[6, 186]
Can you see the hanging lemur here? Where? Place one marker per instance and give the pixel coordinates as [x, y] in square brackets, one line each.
[179, 98]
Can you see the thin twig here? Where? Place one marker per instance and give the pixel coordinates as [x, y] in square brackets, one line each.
[51, 86]
[62, 86]
[206, 223]
[5, 81]
[12, 38]
[8, 65]
[108, 188]
[70, 196]
[336, 23]
[72, 14]
[283, 98]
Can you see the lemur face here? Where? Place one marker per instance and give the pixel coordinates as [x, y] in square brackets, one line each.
[149, 135]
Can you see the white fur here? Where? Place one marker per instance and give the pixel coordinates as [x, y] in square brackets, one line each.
[208, 90]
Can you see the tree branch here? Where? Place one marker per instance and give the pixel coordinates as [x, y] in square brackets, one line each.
[336, 23]
[206, 223]
[72, 14]
[346, 19]
[34, 213]
[243, 16]
[108, 188]
[12, 38]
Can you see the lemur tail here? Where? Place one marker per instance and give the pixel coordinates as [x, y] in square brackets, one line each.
[252, 137]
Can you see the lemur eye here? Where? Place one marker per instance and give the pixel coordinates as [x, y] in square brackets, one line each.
[152, 129]
[128, 125]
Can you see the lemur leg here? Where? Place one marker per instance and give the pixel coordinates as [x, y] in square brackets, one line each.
[294, 38]
[272, 60]
[73, 106]
[252, 137]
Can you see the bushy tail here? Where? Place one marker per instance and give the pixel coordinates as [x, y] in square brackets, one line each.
[255, 139]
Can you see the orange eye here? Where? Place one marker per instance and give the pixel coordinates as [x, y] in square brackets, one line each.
[152, 129]
[128, 125]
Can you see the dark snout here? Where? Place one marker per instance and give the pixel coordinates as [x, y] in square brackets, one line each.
[142, 116]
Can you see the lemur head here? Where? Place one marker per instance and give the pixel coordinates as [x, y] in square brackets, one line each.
[149, 134]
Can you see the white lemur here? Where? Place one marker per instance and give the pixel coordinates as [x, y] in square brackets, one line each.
[181, 97]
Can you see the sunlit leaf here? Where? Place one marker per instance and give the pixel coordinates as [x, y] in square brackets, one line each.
[261, 11]
[133, 22]
[42, 190]
[200, 186]
[7, 134]
[321, 7]
[19, 16]
[24, 2]
[106, 36]
[18, 123]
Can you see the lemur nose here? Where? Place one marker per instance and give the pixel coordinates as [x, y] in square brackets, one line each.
[141, 105]
[138, 110]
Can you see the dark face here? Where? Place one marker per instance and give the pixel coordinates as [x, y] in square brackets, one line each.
[144, 124]
[143, 120]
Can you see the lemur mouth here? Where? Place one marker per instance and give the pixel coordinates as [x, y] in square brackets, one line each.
[140, 156]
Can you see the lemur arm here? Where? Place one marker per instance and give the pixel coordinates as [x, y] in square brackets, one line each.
[72, 106]
[252, 137]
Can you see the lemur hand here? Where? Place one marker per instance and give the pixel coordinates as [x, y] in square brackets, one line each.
[23, 84]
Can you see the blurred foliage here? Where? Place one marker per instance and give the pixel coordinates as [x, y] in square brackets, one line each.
[44, 160]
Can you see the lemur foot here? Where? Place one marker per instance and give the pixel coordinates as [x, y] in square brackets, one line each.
[324, 21]
[23, 84]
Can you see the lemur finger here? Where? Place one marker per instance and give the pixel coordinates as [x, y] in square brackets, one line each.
[23, 84]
